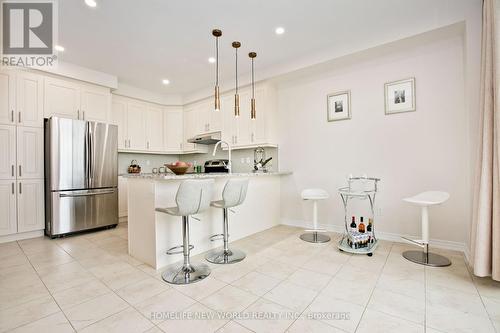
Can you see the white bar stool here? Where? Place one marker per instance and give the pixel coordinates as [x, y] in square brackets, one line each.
[234, 193]
[315, 235]
[193, 197]
[424, 200]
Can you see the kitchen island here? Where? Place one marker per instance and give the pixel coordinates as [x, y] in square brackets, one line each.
[151, 234]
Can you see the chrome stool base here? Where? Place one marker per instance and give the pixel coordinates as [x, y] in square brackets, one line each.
[225, 257]
[315, 237]
[183, 275]
[427, 259]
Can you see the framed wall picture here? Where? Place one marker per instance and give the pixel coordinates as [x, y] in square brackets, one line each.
[400, 96]
[339, 106]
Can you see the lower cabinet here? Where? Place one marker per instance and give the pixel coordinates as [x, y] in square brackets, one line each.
[8, 221]
[21, 206]
[30, 205]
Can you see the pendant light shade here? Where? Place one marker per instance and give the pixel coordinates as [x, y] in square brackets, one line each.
[253, 114]
[236, 46]
[216, 33]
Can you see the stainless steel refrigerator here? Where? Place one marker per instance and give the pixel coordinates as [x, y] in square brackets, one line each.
[81, 176]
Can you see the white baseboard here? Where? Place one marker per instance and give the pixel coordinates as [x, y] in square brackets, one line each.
[21, 236]
[389, 236]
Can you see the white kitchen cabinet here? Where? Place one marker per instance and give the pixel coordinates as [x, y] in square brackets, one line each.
[122, 197]
[190, 128]
[7, 97]
[154, 128]
[8, 214]
[29, 100]
[29, 153]
[243, 137]
[173, 130]
[62, 98]
[30, 205]
[7, 152]
[95, 103]
[230, 123]
[119, 118]
[136, 125]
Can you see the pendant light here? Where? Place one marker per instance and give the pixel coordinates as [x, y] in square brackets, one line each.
[217, 33]
[252, 56]
[236, 45]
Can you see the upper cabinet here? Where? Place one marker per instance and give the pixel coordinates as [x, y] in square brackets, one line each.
[119, 118]
[173, 129]
[21, 98]
[72, 99]
[95, 103]
[154, 128]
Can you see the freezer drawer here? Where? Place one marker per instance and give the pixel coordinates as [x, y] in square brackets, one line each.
[72, 211]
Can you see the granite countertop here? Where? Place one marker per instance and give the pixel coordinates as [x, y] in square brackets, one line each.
[171, 176]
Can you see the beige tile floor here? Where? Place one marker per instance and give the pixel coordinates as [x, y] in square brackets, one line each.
[88, 283]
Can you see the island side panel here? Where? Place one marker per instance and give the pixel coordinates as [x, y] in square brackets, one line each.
[141, 220]
[260, 211]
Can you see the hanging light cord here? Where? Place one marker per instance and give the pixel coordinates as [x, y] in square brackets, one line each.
[217, 61]
[253, 82]
[236, 70]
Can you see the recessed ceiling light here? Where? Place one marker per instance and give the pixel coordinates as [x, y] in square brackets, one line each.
[91, 3]
[211, 60]
[165, 81]
[59, 48]
[279, 31]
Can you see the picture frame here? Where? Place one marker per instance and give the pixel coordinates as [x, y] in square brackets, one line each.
[400, 96]
[339, 106]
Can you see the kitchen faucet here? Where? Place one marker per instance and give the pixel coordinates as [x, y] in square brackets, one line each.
[228, 166]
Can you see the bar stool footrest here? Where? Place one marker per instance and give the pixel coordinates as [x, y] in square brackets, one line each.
[217, 237]
[178, 249]
[315, 230]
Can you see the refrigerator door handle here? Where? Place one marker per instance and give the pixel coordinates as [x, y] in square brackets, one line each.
[85, 194]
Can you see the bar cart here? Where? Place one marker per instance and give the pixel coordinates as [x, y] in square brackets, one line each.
[359, 188]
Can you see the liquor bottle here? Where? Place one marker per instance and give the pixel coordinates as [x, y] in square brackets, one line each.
[353, 225]
[369, 229]
[361, 226]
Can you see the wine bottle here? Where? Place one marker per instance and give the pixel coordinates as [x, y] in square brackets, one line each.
[361, 226]
[353, 225]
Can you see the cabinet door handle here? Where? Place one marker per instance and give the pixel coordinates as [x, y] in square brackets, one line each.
[20, 188]
[78, 114]
[19, 113]
[147, 144]
[20, 171]
[12, 115]
[13, 189]
[180, 145]
[12, 170]
[83, 117]
[129, 143]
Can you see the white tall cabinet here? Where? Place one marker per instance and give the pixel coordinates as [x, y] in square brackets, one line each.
[21, 152]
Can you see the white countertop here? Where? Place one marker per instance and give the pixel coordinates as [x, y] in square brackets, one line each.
[170, 176]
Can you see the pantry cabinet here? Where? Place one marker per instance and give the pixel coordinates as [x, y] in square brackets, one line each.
[21, 98]
[30, 205]
[71, 99]
[29, 99]
[29, 153]
[7, 97]
[8, 214]
[8, 152]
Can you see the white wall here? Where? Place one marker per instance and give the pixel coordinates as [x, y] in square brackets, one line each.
[411, 152]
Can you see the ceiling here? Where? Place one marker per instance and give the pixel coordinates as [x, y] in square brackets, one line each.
[143, 42]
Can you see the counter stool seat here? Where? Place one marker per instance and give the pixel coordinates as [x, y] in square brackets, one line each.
[315, 235]
[193, 197]
[233, 195]
[424, 257]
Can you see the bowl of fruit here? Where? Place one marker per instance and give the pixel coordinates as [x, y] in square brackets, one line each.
[179, 167]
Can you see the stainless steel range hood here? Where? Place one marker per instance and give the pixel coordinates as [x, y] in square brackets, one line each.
[206, 138]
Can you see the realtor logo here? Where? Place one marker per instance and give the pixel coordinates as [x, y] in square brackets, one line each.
[28, 33]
